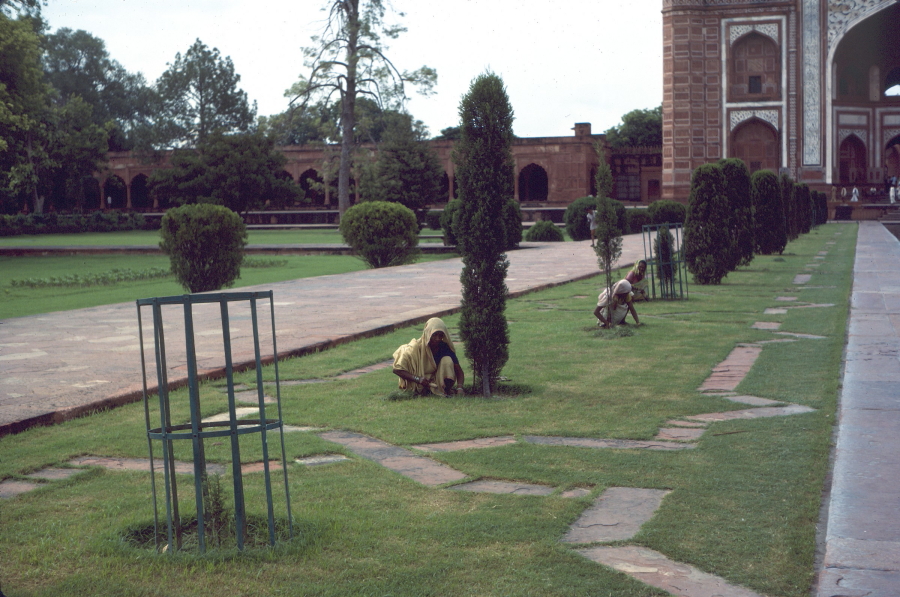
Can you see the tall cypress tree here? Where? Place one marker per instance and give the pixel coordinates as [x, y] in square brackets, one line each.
[789, 205]
[707, 237]
[485, 172]
[768, 219]
[737, 189]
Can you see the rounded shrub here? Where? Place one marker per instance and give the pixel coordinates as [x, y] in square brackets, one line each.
[707, 236]
[667, 212]
[381, 233]
[512, 223]
[637, 219]
[544, 231]
[447, 220]
[205, 244]
[576, 218]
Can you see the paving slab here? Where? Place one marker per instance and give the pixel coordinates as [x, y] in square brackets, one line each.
[616, 515]
[10, 488]
[729, 373]
[54, 474]
[418, 468]
[323, 459]
[468, 444]
[656, 570]
[614, 444]
[141, 464]
[753, 413]
[802, 278]
[752, 400]
[504, 487]
[766, 325]
[680, 434]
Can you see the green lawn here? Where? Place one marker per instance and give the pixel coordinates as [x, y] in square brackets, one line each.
[136, 238]
[743, 504]
[18, 301]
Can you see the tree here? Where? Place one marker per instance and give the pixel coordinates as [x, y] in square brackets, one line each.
[638, 128]
[608, 234]
[46, 148]
[486, 173]
[789, 204]
[804, 208]
[381, 233]
[406, 169]
[241, 171]
[737, 190]
[348, 61]
[768, 214]
[198, 95]
[77, 63]
[707, 236]
[205, 245]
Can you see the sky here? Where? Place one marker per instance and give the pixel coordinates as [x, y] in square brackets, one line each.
[562, 62]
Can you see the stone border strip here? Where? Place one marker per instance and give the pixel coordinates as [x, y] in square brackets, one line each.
[482, 442]
[418, 468]
[616, 515]
[654, 569]
[617, 444]
[729, 373]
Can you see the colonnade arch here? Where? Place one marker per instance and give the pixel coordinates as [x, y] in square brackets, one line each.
[533, 183]
[852, 164]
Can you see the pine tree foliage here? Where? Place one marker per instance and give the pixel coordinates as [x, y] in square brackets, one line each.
[707, 236]
[486, 174]
[768, 213]
[737, 190]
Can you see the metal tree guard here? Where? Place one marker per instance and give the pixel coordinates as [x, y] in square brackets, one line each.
[663, 252]
[196, 431]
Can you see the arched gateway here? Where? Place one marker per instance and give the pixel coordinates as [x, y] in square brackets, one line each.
[807, 87]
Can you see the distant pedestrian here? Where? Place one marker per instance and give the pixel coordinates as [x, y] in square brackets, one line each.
[592, 222]
[855, 196]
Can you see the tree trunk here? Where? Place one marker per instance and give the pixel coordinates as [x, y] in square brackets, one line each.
[486, 380]
[348, 105]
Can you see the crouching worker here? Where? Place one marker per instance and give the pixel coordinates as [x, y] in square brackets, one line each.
[611, 310]
[430, 362]
[638, 279]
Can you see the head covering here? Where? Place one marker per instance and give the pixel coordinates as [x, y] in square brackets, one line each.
[619, 288]
[415, 357]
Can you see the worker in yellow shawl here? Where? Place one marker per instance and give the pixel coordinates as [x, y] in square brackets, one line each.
[430, 362]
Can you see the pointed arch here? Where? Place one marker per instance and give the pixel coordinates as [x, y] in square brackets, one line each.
[757, 143]
[852, 160]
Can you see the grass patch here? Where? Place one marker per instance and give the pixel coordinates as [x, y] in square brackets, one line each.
[743, 505]
[86, 272]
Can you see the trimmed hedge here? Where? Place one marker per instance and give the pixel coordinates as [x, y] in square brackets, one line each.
[53, 223]
[637, 219]
[543, 232]
[381, 233]
[576, 218]
[205, 244]
[707, 237]
[667, 212]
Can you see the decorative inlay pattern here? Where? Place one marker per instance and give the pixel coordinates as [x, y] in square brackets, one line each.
[843, 14]
[768, 29]
[890, 134]
[738, 116]
[812, 85]
[863, 135]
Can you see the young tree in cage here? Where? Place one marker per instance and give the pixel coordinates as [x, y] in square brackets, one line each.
[485, 171]
[664, 250]
[608, 244]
